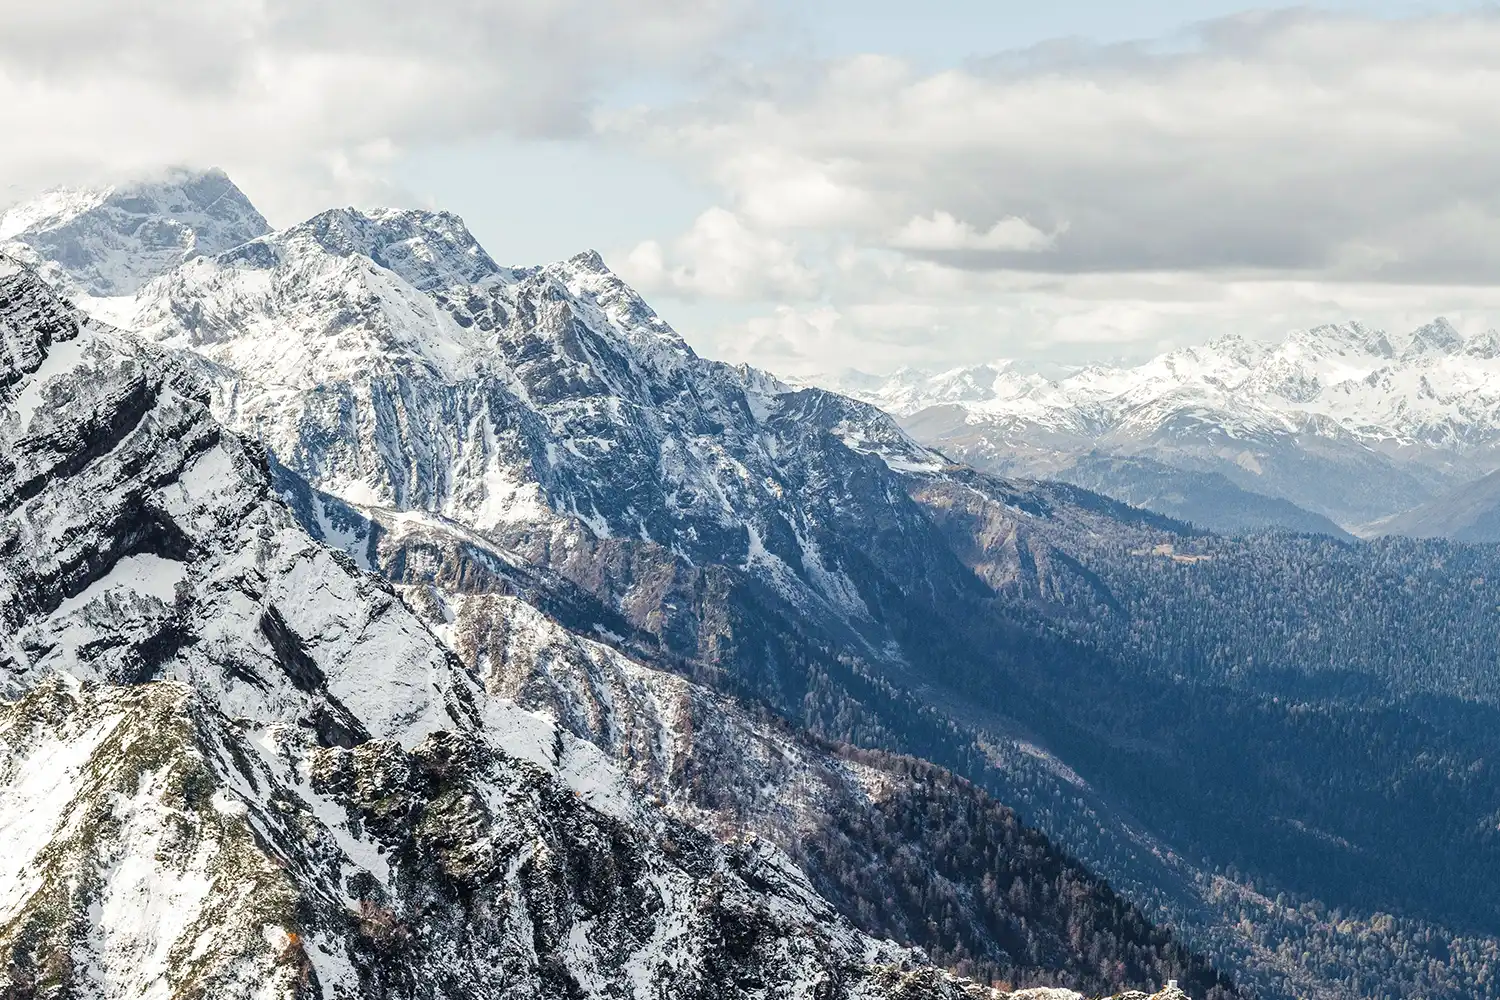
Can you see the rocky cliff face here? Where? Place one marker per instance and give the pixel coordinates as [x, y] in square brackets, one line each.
[549, 409]
[888, 840]
[541, 432]
[171, 851]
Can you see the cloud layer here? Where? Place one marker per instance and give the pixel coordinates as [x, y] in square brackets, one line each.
[1276, 143]
[309, 95]
[1264, 160]
[719, 257]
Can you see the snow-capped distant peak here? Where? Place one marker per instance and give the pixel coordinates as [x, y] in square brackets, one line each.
[1431, 393]
[1485, 345]
[112, 240]
[1436, 338]
[1337, 340]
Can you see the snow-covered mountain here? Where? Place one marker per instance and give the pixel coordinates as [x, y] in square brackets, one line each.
[385, 358]
[541, 431]
[483, 435]
[111, 240]
[232, 764]
[1344, 420]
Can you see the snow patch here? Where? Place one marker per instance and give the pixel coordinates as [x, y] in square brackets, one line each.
[211, 474]
[50, 209]
[227, 805]
[145, 574]
[148, 902]
[62, 357]
[1052, 764]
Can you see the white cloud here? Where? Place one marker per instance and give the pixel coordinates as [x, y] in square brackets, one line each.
[781, 189]
[1097, 317]
[1276, 170]
[791, 340]
[719, 257]
[941, 231]
[298, 98]
[1293, 143]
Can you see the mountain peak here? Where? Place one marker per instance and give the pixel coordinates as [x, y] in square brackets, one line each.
[589, 260]
[1485, 345]
[1342, 338]
[1238, 349]
[106, 241]
[1438, 337]
[430, 250]
[355, 292]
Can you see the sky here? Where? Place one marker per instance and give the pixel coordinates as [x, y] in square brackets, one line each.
[827, 184]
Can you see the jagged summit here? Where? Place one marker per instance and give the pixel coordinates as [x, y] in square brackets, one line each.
[1226, 363]
[431, 250]
[352, 293]
[1437, 337]
[1485, 345]
[111, 240]
[589, 260]
[186, 259]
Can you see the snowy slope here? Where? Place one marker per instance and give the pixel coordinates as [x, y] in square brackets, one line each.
[168, 851]
[724, 767]
[146, 545]
[491, 428]
[465, 422]
[387, 360]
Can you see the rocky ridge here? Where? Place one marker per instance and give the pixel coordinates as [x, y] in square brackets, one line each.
[799, 549]
[543, 431]
[847, 817]
[539, 432]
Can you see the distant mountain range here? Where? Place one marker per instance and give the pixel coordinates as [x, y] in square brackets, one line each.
[1344, 421]
[1207, 499]
[710, 622]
